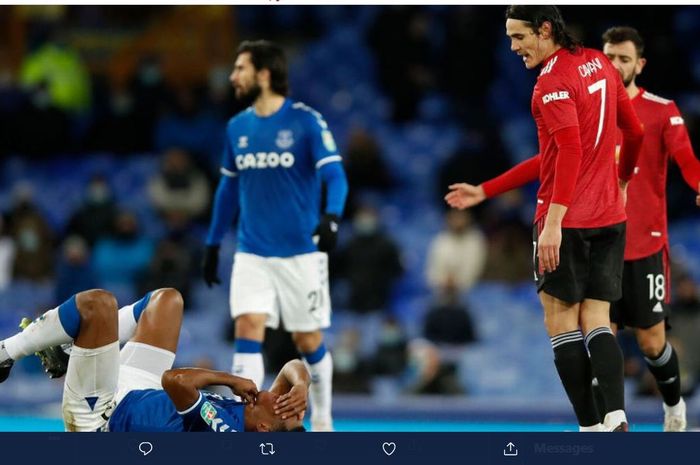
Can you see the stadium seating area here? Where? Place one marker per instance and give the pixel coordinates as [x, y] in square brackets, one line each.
[512, 358]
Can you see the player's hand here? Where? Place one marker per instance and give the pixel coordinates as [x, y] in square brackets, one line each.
[244, 388]
[697, 197]
[548, 246]
[326, 234]
[465, 195]
[292, 403]
[623, 190]
[210, 265]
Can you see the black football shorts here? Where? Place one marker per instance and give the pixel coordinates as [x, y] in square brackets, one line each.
[644, 301]
[590, 264]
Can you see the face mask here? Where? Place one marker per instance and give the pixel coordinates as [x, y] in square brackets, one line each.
[28, 240]
[365, 224]
[98, 194]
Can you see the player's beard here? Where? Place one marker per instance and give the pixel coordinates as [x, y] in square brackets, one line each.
[250, 95]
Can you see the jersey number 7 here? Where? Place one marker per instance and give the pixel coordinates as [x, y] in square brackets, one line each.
[595, 87]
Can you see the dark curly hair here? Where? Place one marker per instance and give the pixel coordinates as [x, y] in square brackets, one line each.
[536, 15]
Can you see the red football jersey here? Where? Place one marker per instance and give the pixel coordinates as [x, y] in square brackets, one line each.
[580, 88]
[665, 135]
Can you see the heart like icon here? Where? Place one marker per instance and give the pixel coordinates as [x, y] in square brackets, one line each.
[389, 447]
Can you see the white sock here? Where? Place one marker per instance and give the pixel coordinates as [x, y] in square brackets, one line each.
[675, 410]
[127, 324]
[4, 356]
[599, 427]
[46, 331]
[614, 418]
[249, 365]
[320, 393]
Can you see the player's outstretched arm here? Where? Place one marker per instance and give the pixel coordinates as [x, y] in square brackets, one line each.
[465, 195]
[183, 384]
[292, 385]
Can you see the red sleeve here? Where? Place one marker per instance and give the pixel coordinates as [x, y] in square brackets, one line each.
[557, 103]
[569, 154]
[689, 165]
[632, 134]
[521, 174]
[677, 143]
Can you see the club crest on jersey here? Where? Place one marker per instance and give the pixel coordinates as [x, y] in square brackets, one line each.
[243, 142]
[285, 139]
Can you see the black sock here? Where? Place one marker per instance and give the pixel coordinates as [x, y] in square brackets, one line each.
[574, 370]
[668, 377]
[608, 366]
[599, 400]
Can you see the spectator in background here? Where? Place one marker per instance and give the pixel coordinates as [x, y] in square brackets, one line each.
[122, 259]
[190, 127]
[448, 320]
[364, 167]
[119, 126]
[350, 371]
[456, 256]
[179, 187]
[54, 65]
[7, 255]
[94, 219]
[407, 56]
[391, 357]
[74, 272]
[448, 328]
[175, 260]
[11, 101]
[39, 128]
[32, 236]
[686, 327]
[150, 95]
[370, 261]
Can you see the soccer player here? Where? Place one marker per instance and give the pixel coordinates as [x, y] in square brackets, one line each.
[579, 231]
[278, 152]
[645, 281]
[136, 389]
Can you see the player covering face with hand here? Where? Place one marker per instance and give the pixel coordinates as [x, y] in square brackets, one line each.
[136, 389]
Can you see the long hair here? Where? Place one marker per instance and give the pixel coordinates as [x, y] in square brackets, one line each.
[267, 55]
[536, 15]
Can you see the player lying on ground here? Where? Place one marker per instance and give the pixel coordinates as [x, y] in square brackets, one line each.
[136, 389]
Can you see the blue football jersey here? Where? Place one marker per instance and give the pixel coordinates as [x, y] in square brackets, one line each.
[276, 159]
[151, 410]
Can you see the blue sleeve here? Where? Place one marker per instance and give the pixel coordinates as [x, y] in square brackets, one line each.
[225, 209]
[206, 416]
[333, 175]
[323, 146]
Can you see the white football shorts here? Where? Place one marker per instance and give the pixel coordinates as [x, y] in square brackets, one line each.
[98, 379]
[292, 288]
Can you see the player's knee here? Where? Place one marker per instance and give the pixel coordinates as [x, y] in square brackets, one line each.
[96, 304]
[651, 347]
[307, 342]
[250, 326]
[169, 300]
